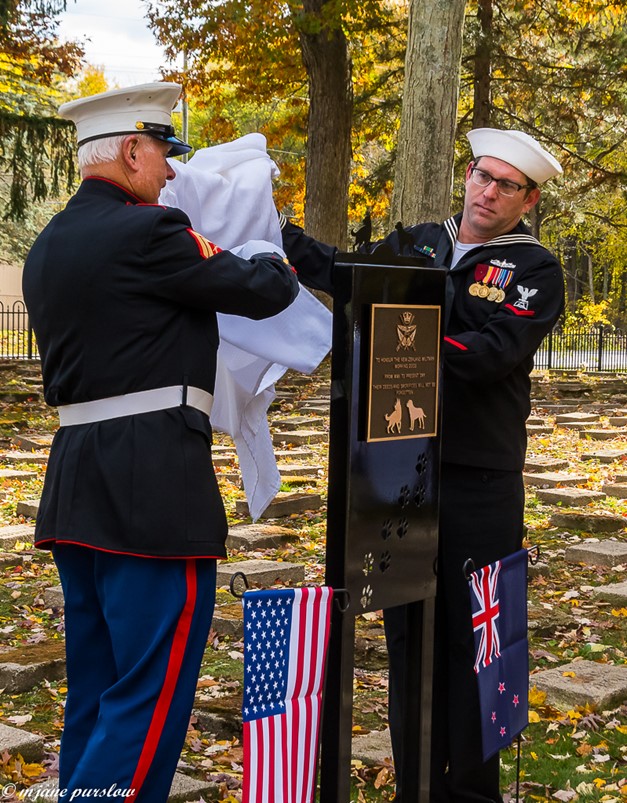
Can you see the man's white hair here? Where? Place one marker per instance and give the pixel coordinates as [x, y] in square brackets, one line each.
[100, 151]
[103, 150]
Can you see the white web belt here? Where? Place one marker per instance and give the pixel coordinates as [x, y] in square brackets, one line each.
[145, 401]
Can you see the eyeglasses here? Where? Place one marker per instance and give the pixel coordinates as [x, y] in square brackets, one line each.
[503, 185]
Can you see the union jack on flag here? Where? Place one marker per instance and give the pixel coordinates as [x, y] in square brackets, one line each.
[498, 596]
[285, 640]
[485, 614]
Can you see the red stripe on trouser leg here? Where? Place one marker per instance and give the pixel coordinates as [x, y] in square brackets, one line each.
[179, 643]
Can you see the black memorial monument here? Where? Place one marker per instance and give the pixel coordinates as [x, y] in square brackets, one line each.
[384, 457]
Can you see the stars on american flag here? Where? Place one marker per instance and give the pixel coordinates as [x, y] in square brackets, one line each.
[267, 628]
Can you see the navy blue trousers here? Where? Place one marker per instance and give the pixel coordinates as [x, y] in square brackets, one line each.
[481, 517]
[136, 630]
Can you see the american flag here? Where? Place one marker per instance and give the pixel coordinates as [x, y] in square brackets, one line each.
[285, 639]
[498, 594]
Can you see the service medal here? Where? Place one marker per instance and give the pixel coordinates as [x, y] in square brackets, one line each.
[494, 279]
[474, 289]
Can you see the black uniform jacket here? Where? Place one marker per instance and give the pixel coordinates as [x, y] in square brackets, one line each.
[490, 342]
[123, 298]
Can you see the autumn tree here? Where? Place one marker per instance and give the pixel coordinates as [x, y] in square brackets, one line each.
[36, 147]
[556, 70]
[304, 66]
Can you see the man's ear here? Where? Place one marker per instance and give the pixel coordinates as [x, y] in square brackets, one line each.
[531, 200]
[129, 150]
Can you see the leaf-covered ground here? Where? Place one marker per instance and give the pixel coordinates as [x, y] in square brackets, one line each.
[577, 754]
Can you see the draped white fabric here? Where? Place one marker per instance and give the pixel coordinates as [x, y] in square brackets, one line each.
[226, 191]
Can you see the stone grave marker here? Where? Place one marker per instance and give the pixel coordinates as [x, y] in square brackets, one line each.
[615, 592]
[616, 489]
[540, 464]
[592, 522]
[33, 440]
[262, 572]
[294, 454]
[284, 504]
[21, 669]
[600, 553]
[574, 497]
[14, 740]
[552, 479]
[298, 421]
[601, 686]
[18, 458]
[259, 536]
[603, 434]
[28, 508]
[16, 474]
[576, 417]
[298, 437]
[14, 534]
[53, 597]
[374, 748]
[604, 455]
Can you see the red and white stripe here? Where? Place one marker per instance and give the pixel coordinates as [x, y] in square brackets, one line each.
[280, 752]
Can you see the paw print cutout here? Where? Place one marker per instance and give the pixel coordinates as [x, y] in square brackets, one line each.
[366, 596]
[419, 496]
[386, 530]
[421, 464]
[403, 527]
[368, 563]
[404, 496]
[386, 559]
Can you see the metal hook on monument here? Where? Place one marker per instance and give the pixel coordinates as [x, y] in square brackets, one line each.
[238, 577]
[345, 593]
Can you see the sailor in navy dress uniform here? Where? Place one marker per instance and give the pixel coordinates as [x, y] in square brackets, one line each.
[123, 295]
[504, 294]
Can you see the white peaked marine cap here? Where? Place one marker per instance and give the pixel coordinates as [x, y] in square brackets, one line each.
[517, 149]
[141, 109]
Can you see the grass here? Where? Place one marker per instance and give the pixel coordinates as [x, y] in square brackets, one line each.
[577, 755]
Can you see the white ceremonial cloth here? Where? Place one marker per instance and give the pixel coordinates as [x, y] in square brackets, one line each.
[226, 191]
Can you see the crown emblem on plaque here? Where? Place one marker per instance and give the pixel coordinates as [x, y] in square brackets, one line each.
[406, 331]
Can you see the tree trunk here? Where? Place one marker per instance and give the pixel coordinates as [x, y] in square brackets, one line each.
[328, 65]
[483, 67]
[424, 162]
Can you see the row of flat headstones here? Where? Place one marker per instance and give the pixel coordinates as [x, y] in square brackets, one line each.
[546, 474]
[603, 685]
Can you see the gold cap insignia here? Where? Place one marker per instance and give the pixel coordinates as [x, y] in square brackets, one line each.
[139, 125]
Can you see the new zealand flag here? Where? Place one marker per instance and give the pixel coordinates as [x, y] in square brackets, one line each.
[498, 594]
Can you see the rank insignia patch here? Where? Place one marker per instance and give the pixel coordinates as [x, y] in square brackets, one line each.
[206, 247]
[525, 294]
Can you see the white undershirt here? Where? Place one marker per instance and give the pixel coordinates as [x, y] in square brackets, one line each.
[461, 249]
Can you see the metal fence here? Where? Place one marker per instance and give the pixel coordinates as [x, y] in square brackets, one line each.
[17, 339]
[598, 348]
[594, 349]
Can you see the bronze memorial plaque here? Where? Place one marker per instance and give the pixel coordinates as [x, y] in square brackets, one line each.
[404, 359]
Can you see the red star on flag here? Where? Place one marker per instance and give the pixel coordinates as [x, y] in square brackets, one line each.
[494, 716]
[503, 731]
[501, 688]
[515, 701]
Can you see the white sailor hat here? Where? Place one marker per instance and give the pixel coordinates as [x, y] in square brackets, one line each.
[141, 109]
[517, 149]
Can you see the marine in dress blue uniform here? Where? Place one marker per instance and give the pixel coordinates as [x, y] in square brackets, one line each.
[123, 296]
[504, 294]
